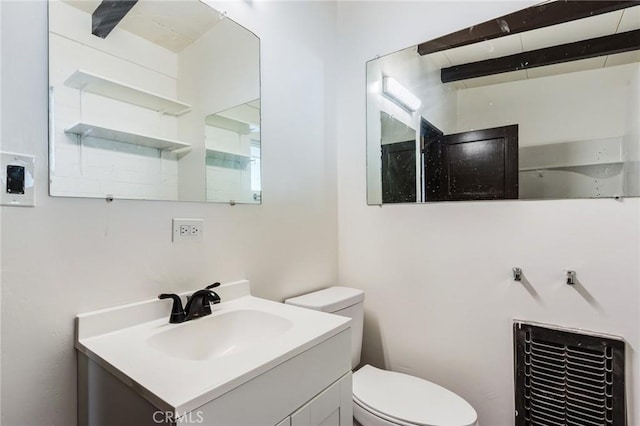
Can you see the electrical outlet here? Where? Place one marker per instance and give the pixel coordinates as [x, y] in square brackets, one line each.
[187, 229]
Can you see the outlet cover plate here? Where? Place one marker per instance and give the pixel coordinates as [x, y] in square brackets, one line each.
[27, 199]
[187, 230]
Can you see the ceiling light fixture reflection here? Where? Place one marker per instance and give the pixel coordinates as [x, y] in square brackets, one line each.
[399, 94]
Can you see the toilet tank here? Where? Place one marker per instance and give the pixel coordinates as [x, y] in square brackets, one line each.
[344, 301]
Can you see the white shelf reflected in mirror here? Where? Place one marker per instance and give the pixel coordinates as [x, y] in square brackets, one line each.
[128, 111]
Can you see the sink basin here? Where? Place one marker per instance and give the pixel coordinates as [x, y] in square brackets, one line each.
[220, 335]
[179, 368]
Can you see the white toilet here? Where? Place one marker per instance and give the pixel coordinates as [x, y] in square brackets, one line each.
[386, 398]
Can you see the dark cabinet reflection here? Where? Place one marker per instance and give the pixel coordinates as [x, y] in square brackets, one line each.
[476, 165]
[399, 172]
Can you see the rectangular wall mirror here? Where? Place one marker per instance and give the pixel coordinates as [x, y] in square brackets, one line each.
[155, 100]
[543, 103]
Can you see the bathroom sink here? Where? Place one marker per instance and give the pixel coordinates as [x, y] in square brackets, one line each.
[180, 367]
[220, 335]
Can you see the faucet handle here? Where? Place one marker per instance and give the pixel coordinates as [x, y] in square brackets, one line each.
[177, 312]
[210, 286]
[213, 296]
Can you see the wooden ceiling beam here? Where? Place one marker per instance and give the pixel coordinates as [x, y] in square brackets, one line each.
[534, 17]
[600, 46]
[108, 14]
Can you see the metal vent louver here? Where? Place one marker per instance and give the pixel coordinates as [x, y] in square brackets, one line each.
[566, 378]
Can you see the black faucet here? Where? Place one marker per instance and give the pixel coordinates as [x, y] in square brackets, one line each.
[198, 304]
[177, 313]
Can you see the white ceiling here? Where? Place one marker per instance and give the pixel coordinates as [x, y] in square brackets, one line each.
[568, 32]
[173, 25]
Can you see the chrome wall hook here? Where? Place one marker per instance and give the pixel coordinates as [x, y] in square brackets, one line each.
[570, 277]
[517, 273]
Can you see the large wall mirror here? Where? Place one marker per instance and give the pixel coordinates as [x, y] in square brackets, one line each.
[155, 100]
[539, 104]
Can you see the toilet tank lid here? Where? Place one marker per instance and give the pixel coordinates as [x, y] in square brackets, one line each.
[330, 299]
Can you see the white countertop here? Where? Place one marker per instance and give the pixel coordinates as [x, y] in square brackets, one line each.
[182, 385]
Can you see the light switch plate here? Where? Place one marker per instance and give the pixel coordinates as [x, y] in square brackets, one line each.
[26, 199]
[187, 229]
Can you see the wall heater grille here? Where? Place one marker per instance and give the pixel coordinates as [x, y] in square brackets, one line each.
[566, 378]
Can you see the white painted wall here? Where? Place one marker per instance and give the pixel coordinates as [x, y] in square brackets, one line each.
[581, 110]
[439, 296]
[434, 274]
[67, 256]
[94, 167]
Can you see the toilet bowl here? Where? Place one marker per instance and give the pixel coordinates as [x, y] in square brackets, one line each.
[387, 398]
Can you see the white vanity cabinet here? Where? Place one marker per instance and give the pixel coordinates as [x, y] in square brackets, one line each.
[313, 388]
[299, 375]
[310, 389]
[333, 407]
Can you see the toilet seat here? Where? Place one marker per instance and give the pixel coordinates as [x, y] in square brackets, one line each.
[366, 416]
[406, 400]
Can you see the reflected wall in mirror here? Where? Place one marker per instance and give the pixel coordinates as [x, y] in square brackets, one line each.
[233, 154]
[132, 89]
[543, 103]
